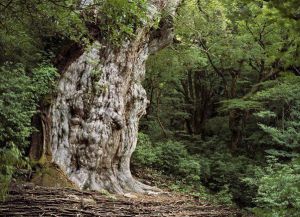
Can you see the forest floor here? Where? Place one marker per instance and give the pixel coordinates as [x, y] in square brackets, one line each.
[31, 200]
[49, 196]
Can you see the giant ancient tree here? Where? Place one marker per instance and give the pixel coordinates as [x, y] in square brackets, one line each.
[90, 129]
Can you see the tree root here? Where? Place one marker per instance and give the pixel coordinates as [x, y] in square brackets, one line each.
[30, 200]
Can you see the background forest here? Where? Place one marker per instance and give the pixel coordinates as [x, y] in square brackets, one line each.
[223, 120]
[224, 104]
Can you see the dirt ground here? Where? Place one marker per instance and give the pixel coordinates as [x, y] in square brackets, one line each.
[30, 200]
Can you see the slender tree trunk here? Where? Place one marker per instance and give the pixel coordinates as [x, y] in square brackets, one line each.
[94, 117]
[235, 119]
[158, 94]
[189, 107]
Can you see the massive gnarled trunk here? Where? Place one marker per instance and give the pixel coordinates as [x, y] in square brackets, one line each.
[94, 117]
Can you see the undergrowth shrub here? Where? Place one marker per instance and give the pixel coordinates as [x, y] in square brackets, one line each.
[171, 157]
[21, 90]
[223, 171]
[9, 158]
[278, 192]
[218, 173]
[146, 154]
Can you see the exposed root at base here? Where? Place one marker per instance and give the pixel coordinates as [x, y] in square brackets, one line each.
[29, 200]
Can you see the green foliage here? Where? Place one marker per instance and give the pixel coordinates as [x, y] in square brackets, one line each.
[18, 103]
[33, 30]
[288, 8]
[240, 104]
[276, 109]
[9, 158]
[278, 189]
[176, 160]
[224, 196]
[119, 19]
[146, 154]
[228, 89]
[222, 172]
[44, 78]
[19, 95]
[28, 27]
[171, 157]
[284, 89]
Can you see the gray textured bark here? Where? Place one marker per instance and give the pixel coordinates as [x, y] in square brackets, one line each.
[94, 117]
